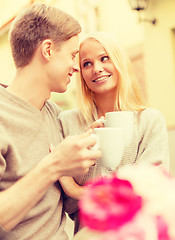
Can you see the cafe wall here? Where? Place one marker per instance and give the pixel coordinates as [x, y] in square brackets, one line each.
[159, 52]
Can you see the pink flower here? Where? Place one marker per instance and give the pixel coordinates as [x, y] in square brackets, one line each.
[162, 229]
[108, 203]
[141, 227]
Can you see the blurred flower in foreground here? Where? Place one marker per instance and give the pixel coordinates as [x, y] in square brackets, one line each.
[135, 204]
[108, 204]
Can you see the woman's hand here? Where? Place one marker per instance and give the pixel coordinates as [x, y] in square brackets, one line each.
[97, 124]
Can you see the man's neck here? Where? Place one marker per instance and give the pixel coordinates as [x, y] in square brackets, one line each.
[29, 89]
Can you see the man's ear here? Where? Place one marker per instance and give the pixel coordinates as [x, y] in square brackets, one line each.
[46, 49]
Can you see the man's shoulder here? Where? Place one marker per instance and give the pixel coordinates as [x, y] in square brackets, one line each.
[53, 107]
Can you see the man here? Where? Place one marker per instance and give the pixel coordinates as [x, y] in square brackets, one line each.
[44, 42]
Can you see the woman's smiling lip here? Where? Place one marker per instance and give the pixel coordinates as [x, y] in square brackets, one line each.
[101, 78]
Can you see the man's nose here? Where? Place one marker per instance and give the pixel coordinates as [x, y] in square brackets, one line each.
[76, 68]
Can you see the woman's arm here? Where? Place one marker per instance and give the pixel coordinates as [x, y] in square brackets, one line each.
[71, 188]
[153, 146]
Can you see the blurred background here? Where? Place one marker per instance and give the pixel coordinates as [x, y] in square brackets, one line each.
[146, 31]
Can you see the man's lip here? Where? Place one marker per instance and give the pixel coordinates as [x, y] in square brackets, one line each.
[101, 78]
[70, 74]
[69, 80]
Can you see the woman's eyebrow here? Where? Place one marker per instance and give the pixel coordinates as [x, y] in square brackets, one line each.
[86, 59]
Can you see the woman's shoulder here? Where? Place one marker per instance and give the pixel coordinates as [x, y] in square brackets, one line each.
[71, 122]
[69, 113]
[150, 118]
[150, 114]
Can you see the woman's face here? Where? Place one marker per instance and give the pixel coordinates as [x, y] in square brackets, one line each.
[97, 69]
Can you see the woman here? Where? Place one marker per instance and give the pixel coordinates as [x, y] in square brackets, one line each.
[107, 83]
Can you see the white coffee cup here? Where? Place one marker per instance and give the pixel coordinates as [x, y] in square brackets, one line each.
[121, 119]
[110, 141]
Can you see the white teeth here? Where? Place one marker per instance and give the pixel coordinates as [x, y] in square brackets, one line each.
[100, 79]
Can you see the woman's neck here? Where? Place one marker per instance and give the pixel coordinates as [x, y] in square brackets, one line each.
[105, 103]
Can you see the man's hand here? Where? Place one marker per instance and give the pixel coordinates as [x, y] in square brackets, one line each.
[74, 155]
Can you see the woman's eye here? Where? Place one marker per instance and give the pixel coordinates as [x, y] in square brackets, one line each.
[104, 58]
[86, 64]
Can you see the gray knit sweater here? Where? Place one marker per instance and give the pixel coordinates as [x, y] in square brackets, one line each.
[25, 137]
[149, 143]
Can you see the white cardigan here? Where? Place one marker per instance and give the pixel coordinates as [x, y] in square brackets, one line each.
[150, 139]
[149, 144]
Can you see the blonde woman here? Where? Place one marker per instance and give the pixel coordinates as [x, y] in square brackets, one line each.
[107, 83]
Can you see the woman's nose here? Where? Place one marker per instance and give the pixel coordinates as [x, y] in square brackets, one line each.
[97, 67]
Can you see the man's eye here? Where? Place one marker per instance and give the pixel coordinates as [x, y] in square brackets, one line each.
[86, 64]
[104, 58]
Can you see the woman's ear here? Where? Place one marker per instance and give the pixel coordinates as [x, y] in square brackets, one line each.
[46, 49]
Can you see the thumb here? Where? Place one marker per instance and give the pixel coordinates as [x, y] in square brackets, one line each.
[87, 133]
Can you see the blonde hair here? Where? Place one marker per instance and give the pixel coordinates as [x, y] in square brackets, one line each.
[128, 97]
[35, 24]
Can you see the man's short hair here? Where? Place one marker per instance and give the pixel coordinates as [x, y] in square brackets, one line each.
[35, 24]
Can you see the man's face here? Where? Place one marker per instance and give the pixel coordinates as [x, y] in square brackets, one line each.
[63, 64]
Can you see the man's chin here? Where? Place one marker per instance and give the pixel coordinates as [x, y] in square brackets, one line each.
[60, 90]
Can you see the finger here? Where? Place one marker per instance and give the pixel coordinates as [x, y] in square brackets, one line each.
[97, 124]
[86, 133]
[51, 148]
[89, 141]
[89, 163]
[80, 136]
[102, 120]
[94, 154]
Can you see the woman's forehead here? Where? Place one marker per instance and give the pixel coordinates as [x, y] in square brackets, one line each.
[91, 46]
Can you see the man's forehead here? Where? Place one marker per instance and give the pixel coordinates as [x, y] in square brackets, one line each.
[71, 44]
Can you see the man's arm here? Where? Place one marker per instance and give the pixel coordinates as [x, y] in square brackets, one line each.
[73, 156]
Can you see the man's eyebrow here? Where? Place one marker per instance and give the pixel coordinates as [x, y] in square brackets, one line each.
[75, 52]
